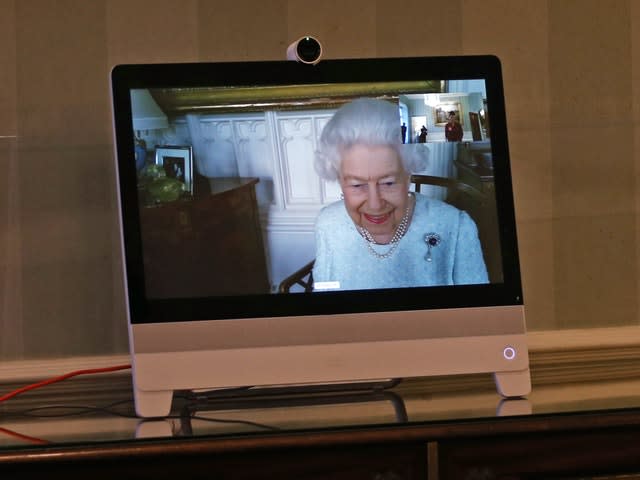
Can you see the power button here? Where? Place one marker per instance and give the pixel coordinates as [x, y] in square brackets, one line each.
[509, 353]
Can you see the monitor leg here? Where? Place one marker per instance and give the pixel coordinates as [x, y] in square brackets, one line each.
[514, 406]
[513, 384]
[154, 429]
[152, 403]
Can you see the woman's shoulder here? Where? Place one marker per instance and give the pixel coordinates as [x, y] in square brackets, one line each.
[331, 213]
[431, 210]
[333, 208]
[434, 206]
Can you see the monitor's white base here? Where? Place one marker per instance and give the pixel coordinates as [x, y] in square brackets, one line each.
[332, 349]
[509, 407]
[513, 384]
[157, 376]
[152, 404]
[155, 428]
[509, 385]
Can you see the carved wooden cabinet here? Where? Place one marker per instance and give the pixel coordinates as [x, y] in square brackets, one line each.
[206, 245]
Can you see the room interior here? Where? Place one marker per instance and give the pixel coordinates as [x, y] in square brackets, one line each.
[570, 70]
[275, 145]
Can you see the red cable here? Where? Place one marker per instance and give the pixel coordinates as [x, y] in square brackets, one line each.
[60, 378]
[22, 436]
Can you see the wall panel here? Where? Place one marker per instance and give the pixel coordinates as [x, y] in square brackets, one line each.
[10, 261]
[419, 28]
[65, 166]
[139, 31]
[593, 185]
[571, 74]
[8, 71]
[496, 27]
[242, 30]
[634, 18]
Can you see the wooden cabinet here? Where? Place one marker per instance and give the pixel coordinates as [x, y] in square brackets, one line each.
[206, 245]
[573, 453]
[369, 462]
[589, 446]
[415, 430]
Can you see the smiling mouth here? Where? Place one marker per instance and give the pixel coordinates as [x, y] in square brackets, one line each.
[376, 219]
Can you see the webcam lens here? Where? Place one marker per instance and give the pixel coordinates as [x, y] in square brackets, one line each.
[308, 49]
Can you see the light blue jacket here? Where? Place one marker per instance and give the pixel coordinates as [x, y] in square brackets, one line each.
[342, 254]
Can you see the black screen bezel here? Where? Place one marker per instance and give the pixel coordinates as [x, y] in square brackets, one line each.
[191, 75]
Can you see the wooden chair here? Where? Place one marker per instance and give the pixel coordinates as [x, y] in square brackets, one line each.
[456, 190]
[302, 277]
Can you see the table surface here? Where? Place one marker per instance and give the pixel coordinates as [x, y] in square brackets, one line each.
[98, 409]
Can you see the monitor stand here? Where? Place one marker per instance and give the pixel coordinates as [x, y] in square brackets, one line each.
[509, 385]
[255, 398]
[513, 384]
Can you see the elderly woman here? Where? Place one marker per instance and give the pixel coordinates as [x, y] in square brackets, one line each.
[381, 235]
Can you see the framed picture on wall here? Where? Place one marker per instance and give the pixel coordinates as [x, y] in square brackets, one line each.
[177, 161]
[442, 110]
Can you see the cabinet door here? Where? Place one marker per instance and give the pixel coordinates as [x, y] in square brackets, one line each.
[348, 462]
[585, 455]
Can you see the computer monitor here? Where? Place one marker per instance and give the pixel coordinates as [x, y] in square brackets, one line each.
[219, 201]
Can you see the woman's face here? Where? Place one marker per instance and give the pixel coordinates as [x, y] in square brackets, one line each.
[375, 188]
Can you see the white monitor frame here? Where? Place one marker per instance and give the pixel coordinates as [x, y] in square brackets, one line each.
[177, 356]
[177, 345]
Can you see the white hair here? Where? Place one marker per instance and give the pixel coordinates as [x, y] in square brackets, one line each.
[365, 121]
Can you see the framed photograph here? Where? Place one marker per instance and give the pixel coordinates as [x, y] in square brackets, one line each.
[442, 110]
[177, 161]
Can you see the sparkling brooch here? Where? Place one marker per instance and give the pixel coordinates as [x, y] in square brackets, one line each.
[432, 240]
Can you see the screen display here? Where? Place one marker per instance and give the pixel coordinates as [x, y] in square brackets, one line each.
[241, 193]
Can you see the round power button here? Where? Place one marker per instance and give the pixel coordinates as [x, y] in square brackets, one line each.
[509, 353]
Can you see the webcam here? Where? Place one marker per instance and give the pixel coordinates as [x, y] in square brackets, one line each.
[305, 50]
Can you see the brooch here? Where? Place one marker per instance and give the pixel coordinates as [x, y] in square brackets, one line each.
[432, 240]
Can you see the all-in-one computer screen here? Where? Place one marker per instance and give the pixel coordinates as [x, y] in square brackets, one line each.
[285, 223]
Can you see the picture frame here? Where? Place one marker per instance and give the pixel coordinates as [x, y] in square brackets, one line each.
[441, 113]
[177, 161]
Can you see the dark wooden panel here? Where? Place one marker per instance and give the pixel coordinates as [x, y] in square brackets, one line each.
[542, 455]
[379, 462]
[207, 245]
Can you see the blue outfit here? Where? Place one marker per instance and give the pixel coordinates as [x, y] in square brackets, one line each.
[342, 255]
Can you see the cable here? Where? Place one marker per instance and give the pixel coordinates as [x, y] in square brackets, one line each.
[84, 409]
[64, 410]
[49, 381]
[80, 410]
[24, 437]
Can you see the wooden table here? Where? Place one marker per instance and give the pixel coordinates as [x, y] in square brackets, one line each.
[440, 429]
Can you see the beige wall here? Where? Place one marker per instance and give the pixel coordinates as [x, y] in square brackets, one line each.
[570, 67]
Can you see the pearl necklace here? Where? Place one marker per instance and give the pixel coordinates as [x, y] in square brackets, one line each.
[401, 229]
